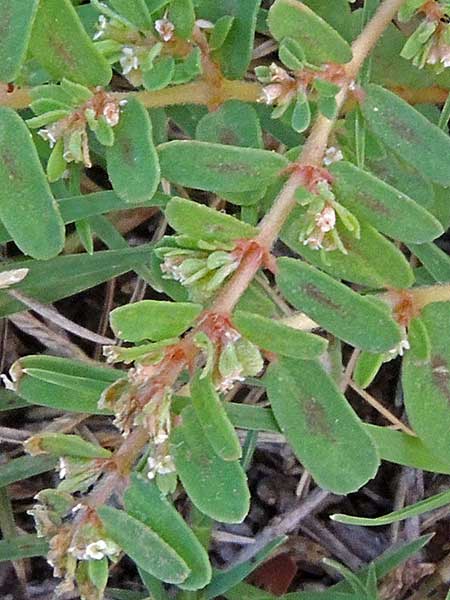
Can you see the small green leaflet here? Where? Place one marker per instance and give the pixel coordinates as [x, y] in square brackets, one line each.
[27, 207]
[361, 322]
[387, 209]
[24, 467]
[391, 269]
[145, 502]
[23, 546]
[66, 50]
[218, 488]
[366, 368]
[408, 133]
[399, 515]
[182, 15]
[235, 52]
[426, 381]
[277, 337]
[153, 320]
[213, 418]
[135, 11]
[9, 400]
[290, 18]
[17, 20]
[235, 124]
[132, 161]
[143, 545]
[203, 223]
[435, 261]
[217, 167]
[320, 425]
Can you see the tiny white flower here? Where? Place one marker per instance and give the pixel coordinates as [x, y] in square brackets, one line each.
[48, 136]
[326, 220]
[161, 438]
[96, 550]
[101, 27]
[62, 468]
[128, 61]
[332, 155]
[111, 113]
[313, 242]
[166, 466]
[271, 93]
[204, 24]
[165, 28]
[399, 350]
[279, 74]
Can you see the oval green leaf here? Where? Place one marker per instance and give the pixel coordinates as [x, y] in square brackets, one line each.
[290, 18]
[144, 501]
[203, 223]
[61, 45]
[387, 209]
[218, 488]
[408, 133]
[132, 161]
[135, 11]
[359, 321]
[217, 167]
[277, 337]
[320, 425]
[27, 207]
[213, 418]
[153, 320]
[426, 380]
[143, 545]
[234, 124]
[390, 269]
[17, 20]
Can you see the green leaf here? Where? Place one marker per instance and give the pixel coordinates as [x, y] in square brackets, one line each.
[387, 209]
[144, 501]
[143, 545]
[359, 321]
[65, 49]
[414, 510]
[213, 418]
[17, 20]
[321, 427]
[25, 467]
[290, 18]
[219, 168]
[24, 546]
[135, 11]
[203, 223]
[160, 75]
[153, 319]
[391, 269]
[61, 383]
[64, 276]
[27, 207]
[228, 578]
[98, 572]
[277, 337]
[408, 133]
[132, 161]
[182, 15]
[220, 32]
[235, 52]
[403, 449]
[235, 124]
[426, 381]
[60, 444]
[218, 488]
[435, 261]
[253, 418]
[366, 368]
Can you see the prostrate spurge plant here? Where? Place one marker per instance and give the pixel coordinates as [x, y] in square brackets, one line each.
[358, 184]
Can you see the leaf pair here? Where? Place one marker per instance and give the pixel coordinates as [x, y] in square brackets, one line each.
[156, 537]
